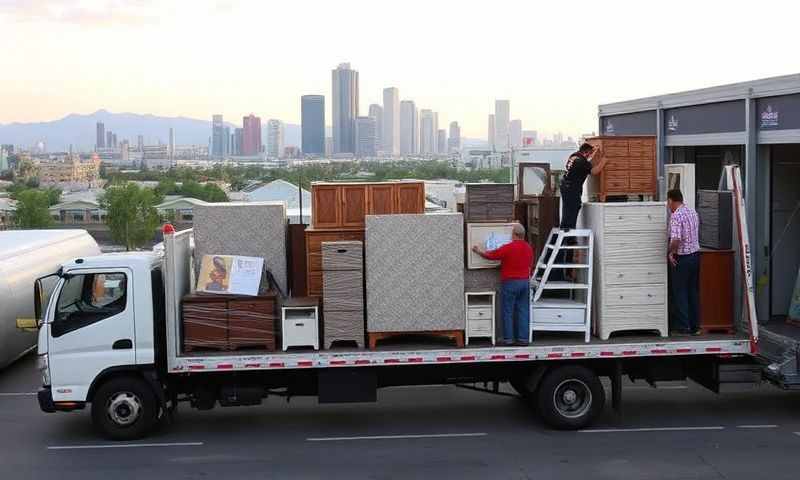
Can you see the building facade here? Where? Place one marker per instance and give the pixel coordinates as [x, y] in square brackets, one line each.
[454, 142]
[441, 141]
[490, 132]
[345, 108]
[101, 135]
[275, 138]
[376, 112]
[218, 136]
[312, 119]
[251, 136]
[409, 128]
[366, 129]
[70, 173]
[515, 133]
[427, 132]
[502, 120]
[391, 121]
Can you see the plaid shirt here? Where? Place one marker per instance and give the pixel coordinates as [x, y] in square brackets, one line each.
[684, 225]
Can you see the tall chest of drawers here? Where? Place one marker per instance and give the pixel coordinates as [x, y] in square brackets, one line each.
[630, 270]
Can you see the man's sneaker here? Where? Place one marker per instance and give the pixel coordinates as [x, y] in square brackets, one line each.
[697, 333]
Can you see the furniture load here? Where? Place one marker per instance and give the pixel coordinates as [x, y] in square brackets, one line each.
[716, 291]
[477, 235]
[489, 202]
[344, 205]
[343, 299]
[300, 323]
[630, 167]
[542, 215]
[715, 210]
[314, 240]
[254, 229]
[630, 269]
[480, 315]
[415, 276]
[228, 322]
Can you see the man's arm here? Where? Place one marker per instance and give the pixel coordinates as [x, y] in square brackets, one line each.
[674, 242]
[488, 255]
[598, 163]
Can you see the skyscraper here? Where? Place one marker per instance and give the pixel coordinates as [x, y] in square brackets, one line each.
[441, 141]
[113, 140]
[427, 132]
[238, 141]
[217, 136]
[140, 143]
[376, 112]
[345, 108]
[171, 143]
[109, 139]
[391, 121]
[312, 119]
[101, 135]
[515, 133]
[502, 119]
[366, 128]
[251, 135]
[490, 137]
[275, 133]
[454, 142]
[409, 128]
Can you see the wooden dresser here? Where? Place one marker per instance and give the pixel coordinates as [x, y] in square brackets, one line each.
[630, 270]
[489, 202]
[716, 291]
[630, 168]
[344, 205]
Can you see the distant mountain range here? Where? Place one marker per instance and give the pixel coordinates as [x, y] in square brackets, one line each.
[79, 131]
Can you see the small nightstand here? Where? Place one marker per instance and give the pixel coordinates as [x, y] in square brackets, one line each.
[300, 323]
[480, 315]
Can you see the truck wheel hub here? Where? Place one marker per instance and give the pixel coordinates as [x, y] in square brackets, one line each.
[124, 408]
[572, 398]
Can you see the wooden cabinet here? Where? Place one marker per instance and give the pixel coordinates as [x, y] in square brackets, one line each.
[314, 239]
[542, 214]
[630, 167]
[228, 322]
[716, 291]
[715, 212]
[345, 205]
[489, 202]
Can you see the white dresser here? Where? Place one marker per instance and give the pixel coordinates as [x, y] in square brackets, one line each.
[480, 315]
[630, 269]
[300, 326]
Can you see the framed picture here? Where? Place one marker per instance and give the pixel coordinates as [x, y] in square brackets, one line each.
[533, 180]
[231, 274]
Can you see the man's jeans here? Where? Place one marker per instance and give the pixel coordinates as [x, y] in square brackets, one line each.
[515, 295]
[685, 278]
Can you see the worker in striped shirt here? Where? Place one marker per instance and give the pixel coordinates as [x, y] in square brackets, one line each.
[684, 260]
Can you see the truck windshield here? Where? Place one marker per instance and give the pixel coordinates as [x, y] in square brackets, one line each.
[89, 298]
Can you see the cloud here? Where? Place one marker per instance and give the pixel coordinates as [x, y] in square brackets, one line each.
[90, 14]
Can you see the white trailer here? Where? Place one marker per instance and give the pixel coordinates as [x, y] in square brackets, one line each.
[26, 255]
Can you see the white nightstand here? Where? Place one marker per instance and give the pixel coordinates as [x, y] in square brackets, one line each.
[480, 315]
[300, 326]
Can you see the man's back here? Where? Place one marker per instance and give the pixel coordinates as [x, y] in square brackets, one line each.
[684, 226]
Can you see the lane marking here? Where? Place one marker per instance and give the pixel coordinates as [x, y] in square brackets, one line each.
[397, 437]
[649, 429]
[18, 394]
[125, 445]
[757, 426]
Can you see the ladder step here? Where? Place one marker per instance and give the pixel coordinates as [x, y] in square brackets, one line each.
[558, 303]
[562, 285]
[563, 265]
[569, 247]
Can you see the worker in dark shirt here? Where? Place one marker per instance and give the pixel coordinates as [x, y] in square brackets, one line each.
[516, 260]
[579, 165]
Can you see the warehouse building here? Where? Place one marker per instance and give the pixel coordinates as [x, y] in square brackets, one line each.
[753, 124]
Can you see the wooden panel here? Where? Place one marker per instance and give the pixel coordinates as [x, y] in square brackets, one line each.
[410, 197]
[627, 219]
[641, 164]
[619, 163]
[315, 284]
[615, 182]
[251, 322]
[297, 260]
[635, 156]
[325, 205]
[716, 290]
[354, 205]
[380, 199]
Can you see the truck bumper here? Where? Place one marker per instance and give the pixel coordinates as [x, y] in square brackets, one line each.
[47, 405]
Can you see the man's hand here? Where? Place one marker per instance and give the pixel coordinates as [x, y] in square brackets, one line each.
[673, 260]
[479, 251]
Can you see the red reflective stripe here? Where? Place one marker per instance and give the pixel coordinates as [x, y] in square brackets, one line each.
[225, 366]
[522, 355]
[276, 364]
[391, 360]
[252, 365]
[443, 359]
[713, 349]
[467, 358]
[196, 367]
[578, 354]
[554, 355]
[497, 357]
[362, 362]
[338, 362]
[305, 363]
[606, 354]
[684, 350]
[629, 352]
[415, 359]
[658, 350]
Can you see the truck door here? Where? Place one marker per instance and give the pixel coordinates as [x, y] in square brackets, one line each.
[92, 329]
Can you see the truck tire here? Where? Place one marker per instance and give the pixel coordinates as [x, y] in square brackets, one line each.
[570, 397]
[124, 408]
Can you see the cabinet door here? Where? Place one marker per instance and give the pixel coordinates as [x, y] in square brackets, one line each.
[381, 199]
[354, 205]
[326, 211]
[410, 198]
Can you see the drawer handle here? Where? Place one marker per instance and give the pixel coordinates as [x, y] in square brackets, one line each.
[299, 324]
[620, 217]
[620, 275]
[650, 295]
[649, 217]
[621, 297]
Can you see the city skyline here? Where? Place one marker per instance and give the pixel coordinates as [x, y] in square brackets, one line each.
[547, 86]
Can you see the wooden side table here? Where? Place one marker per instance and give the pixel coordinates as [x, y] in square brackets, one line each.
[716, 291]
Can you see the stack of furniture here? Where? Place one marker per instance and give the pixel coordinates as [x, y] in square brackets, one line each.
[630, 270]
[536, 194]
[489, 202]
[253, 229]
[716, 291]
[343, 292]
[415, 276]
[228, 322]
[480, 315]
[300, 323]
[630, 167]
[338, 212]
[477, 234]
[715, 209]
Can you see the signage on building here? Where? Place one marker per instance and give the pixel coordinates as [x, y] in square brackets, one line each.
[672, 124]
[721, 117]
[779, 113]
[637, 123]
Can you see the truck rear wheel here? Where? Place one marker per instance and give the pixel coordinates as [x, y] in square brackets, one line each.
[570, 397]
[124, 408]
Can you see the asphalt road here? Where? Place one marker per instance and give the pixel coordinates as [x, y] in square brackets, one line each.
[682, 432]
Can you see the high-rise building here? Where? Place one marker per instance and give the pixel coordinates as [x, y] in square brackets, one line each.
[275, 135]
[238, 140]
[109, 139]
[345, 108]
[328, 146]
[113, 140]
[558, 138]
[3, 159]
[227, 141]
[101, 135]
[409, 128]
[366, 128]
[376, 112]
[218, 149]
[454, 142]
[502, 119]
[427, 132]
[312, 124]
[530, 137]
[391, 121]
[140, 143]
[490, 137]
[515, 133]
[441, 141]
[171, 143]
[251, 136]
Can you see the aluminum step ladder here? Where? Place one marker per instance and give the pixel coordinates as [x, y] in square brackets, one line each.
[571, 314]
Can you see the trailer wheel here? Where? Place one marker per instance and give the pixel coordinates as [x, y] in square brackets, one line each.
[124, 408]
[570, 397]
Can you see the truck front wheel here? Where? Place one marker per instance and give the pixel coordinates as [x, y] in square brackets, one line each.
[124, 408]
[570, 397]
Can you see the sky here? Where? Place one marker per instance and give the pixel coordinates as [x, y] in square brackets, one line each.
[555, 61]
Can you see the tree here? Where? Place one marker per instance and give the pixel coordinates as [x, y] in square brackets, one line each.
[131, 214]
[32, 209]
[53, 195]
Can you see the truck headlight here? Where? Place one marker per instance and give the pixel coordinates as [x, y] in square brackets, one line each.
[43, 365]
